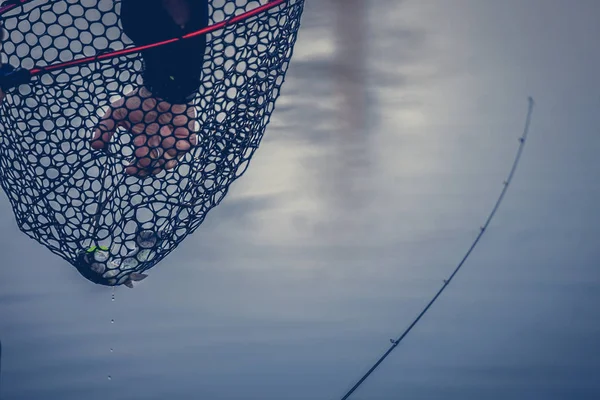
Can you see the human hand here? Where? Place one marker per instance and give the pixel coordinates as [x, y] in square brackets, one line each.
[162, 132]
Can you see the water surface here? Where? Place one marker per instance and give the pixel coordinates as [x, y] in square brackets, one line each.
[340, 232]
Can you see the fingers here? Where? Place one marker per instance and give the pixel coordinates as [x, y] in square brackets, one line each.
[159, 145]
[162, 133]
[148, 152]
[115, 117]
[104, 132]
[137, 109]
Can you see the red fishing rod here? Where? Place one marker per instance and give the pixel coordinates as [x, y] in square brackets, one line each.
[11, 4]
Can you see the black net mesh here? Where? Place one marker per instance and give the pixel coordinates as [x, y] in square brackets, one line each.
[115, 204]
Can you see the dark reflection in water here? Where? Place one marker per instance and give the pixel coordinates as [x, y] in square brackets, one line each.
[348, 164]
[321, 254]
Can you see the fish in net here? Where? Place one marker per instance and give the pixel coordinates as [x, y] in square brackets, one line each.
[116, 140]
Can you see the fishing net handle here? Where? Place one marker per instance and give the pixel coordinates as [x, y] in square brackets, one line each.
[11, 77]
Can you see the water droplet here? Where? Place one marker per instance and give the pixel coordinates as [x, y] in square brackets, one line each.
[112, 350]
[110, 378]
[112, 321]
